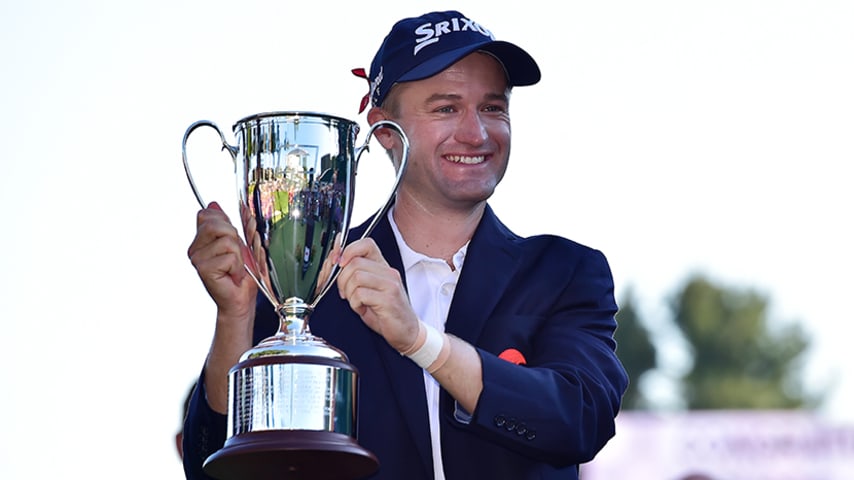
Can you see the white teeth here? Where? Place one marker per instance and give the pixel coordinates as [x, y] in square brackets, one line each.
[466, 160]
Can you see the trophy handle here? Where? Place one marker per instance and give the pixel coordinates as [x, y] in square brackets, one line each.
[400, 171]
[377, 216]
[225, 146]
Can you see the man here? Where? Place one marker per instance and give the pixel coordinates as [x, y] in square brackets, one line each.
[481, 354]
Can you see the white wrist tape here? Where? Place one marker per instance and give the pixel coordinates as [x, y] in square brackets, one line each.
[430, 350]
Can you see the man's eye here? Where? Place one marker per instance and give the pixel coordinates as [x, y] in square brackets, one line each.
[445, 109]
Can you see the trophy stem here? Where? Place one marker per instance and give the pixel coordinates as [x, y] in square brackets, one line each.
[293, 321]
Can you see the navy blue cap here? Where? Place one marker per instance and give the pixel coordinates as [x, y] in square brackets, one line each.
[420, 47]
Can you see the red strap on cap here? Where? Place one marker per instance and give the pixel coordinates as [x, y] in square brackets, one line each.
[360, 72]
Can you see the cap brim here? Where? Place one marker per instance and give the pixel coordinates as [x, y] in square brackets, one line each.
[520, 67]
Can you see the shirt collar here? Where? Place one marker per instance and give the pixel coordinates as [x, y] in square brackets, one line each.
[411, 258]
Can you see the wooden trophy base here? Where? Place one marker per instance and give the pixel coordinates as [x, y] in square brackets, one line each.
[294, 454]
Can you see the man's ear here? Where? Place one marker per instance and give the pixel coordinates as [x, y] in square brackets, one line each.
[179, 444]
[386, 137]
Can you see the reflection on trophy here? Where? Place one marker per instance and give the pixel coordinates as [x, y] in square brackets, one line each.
[292, 398]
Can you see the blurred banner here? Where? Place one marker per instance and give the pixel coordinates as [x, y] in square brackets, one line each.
[725, 445]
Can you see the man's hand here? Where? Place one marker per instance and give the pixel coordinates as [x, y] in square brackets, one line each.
[217, 253]
[375, 291]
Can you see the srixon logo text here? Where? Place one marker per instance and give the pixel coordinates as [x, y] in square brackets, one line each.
[429, 34]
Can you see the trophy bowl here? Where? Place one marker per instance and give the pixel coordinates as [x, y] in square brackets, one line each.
[292, 398]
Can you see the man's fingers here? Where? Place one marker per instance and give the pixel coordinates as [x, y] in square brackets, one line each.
[219, 257]
[364, 248]
[368, 275]
[211, 224]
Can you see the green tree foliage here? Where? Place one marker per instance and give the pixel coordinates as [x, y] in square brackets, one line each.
[739, 360]
[635, 350]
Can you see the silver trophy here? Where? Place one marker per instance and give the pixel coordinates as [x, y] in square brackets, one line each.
[292, 398]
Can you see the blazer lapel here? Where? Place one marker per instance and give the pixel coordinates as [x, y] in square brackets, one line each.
[491, 258]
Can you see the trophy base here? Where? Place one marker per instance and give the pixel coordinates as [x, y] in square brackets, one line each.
[295, 454]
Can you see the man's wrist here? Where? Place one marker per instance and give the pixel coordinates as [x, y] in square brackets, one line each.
[430, 350]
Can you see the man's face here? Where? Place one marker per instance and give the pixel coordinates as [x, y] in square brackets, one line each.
[458, 127]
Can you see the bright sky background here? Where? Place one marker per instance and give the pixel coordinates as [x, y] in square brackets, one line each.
[676, 136]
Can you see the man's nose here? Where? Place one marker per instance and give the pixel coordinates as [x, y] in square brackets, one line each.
[471, 129]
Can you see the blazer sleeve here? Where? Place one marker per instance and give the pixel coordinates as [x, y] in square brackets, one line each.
[204, 428]
[559, 406]
[204, 432]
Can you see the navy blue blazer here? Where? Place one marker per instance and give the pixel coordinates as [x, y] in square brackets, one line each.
[548, 297]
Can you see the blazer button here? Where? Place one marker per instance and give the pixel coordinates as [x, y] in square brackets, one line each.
[499, 420]
[511, 424]
[532, 434]
[521, 429]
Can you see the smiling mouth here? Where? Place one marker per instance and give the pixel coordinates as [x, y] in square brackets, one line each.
[466, 159]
